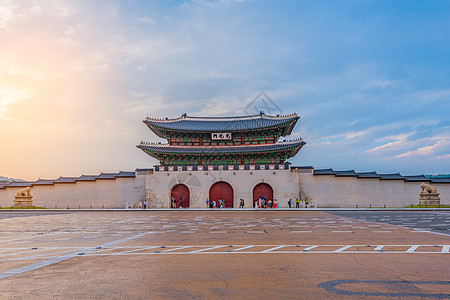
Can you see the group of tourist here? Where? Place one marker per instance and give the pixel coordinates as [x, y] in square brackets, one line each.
[215, 204]
[175, 204]
[261, 202]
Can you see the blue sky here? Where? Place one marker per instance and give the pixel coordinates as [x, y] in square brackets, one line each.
[370, 79]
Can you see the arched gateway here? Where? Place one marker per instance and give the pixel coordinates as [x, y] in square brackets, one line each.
[222, 190]
[262, 190]
[180, 191]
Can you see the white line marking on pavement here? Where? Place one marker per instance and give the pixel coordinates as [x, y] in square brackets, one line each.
[271, 249]
[246, 247]
[343, 248]
[412, 249]
[57, 259]
[206, 249]
[310, 248]
[177, 248]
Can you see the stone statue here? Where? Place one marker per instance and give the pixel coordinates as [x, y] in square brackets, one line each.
[426, 188]
[429, 195]
[23, 198]
[24, 192]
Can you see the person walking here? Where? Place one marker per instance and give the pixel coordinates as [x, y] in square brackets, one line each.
[290, 203]
[306, 202]
[207, 203]
[297, 203]
[145, 204]
[174, 202]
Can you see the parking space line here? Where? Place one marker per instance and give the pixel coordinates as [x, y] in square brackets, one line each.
[246, 247]
[343, 248]
[271, 249]
[412, 249]
[206, 249]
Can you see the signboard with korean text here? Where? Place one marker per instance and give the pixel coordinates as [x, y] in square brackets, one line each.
[221, 136]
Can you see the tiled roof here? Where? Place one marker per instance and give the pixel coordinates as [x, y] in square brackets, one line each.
[126, 174]
[395, 176]
[440, 180]
[165, 148]
[44, 182]
[350, 173]
[420, 178]
[87, 178]
[2, 184]
[19, 184]
[220, 124]
[303, 167]
[324, 172]
[367, 175]
[107, 176]
[66, 180]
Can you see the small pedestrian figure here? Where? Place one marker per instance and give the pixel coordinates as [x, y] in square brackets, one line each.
[181, 202]
[290, 203]
[207, 203]
[270, 203]
[306, 202]
[297, 203]
[174, 202]
[145, 204]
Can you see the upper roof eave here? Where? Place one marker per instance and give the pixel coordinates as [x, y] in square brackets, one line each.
[165, 148]
[221, 124]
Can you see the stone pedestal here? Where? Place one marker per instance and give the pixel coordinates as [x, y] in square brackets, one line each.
[429, 199]
[23, 201]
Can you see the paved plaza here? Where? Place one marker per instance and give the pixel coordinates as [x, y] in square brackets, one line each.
[248, 254]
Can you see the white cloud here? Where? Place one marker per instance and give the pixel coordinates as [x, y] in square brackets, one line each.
[9, 95]
[147, 20]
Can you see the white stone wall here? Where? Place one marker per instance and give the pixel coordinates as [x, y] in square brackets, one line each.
[160, 184]
[322, 190]
[331, 191]
[114, 193]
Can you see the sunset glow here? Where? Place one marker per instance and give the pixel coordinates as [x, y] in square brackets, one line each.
[370, 80]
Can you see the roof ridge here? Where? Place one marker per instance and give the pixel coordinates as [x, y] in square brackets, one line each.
[217, 118]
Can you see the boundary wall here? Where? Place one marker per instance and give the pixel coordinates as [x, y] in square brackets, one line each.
[329, 188]
[107, 190]
[324, 188]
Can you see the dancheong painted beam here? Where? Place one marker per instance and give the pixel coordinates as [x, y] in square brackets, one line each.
[223, 140]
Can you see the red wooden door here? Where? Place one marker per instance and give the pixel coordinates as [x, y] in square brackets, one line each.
[262, 190]
[222, 190]
[180, 191]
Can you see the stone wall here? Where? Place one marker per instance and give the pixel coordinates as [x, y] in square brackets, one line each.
[331, 191]
[321, 190]
[114, 193]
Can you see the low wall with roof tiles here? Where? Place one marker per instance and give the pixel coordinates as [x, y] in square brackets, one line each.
[322, 190]
[100, 193]
[331, 191]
